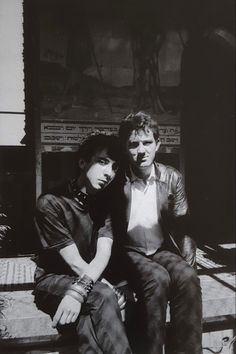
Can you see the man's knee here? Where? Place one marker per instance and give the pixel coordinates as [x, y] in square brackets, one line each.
[157, 284]
[188, 279]
[162, 280]
[189, 274]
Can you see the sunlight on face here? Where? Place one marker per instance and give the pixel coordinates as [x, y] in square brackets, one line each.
[141, 148]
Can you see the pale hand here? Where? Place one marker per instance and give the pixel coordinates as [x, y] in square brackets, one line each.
[122, 302]
[67, 311]
[188, 250]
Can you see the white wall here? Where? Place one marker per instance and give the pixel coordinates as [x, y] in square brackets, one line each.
[11, 72]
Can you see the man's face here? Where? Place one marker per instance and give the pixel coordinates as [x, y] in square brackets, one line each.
[99, 171]
[141, 148]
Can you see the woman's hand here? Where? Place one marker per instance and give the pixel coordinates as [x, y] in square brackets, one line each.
[67, 311]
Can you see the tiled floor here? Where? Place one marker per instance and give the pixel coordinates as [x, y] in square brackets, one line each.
[16, 273]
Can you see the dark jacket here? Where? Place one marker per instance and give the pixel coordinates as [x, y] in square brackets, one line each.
[172, 206]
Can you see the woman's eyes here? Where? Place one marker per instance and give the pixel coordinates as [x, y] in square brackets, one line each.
[103, 162]
[115, 166]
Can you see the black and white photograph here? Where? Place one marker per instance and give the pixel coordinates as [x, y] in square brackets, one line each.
[117, 177]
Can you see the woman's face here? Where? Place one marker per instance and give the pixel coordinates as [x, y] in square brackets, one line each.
[99, 171]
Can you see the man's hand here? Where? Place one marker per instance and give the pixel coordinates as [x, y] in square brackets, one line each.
[67, 311]
[188, 250]
[121, 298]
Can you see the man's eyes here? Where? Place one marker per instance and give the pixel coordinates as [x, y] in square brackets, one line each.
[133, 145]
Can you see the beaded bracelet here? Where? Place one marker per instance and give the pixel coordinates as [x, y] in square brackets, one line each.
[80, 288]
[86, 282]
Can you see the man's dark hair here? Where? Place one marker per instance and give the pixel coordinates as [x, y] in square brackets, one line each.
[137, 121]
[95, 142]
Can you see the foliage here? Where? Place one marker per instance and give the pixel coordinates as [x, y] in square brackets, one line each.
[3, 229]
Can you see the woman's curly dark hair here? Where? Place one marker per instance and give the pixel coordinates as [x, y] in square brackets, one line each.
[96, 141]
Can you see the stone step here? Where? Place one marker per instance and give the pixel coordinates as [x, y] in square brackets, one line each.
[21, 318]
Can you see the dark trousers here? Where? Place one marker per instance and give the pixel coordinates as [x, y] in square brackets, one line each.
[158, 279]
[99, 327]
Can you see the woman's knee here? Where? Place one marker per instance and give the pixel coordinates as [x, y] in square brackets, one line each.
[103, 294]
[108, 293]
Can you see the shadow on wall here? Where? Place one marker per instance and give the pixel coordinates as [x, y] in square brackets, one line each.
[17, 201]
[208, 134]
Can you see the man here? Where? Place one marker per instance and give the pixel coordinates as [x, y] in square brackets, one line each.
[150, 217]
[76, 250]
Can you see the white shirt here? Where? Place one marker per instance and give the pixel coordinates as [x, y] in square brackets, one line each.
[144, 219]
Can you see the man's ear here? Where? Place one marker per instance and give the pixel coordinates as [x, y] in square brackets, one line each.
[158, 144]
[82, 164]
